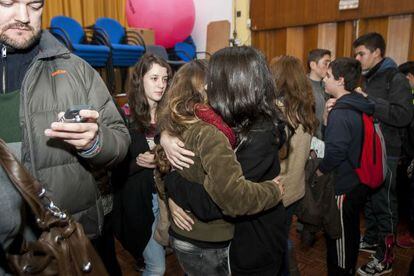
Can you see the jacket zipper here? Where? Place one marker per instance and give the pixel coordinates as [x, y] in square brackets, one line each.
[25, 89]
[24, 93]
[4, 61]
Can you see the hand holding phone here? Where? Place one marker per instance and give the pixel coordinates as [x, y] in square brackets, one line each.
[82, 130]
[72, 114]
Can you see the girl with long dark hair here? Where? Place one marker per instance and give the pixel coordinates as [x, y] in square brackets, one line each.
[135, 204]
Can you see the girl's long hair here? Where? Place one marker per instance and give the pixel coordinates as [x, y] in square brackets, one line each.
[176, 110]
[241, 89]
[138, 103]
[294, 90]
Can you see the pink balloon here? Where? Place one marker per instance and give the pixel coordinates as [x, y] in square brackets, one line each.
[171, 20]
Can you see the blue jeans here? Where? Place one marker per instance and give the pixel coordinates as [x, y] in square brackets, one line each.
[196, 261]
[154, 253]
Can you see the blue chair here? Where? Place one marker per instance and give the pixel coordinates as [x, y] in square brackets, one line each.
[71, 33]
[186, 51]
[115, 35]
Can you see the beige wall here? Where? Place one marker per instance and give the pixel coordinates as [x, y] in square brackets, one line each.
[241, 23]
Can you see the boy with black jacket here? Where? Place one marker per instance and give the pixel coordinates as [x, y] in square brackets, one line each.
[389, 90]
[343, 142]
[407, 240]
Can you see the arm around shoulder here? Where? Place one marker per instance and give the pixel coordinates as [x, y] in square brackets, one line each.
[225, 182]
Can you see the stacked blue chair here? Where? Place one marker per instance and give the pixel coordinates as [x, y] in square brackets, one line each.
[186, 50]
[71, 33]
[123, 55]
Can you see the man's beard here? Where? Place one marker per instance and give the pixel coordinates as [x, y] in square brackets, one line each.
[19, 45]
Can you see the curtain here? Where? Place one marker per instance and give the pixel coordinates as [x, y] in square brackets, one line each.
[84, 11]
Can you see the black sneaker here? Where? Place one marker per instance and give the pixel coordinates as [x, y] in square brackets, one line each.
[375, 268]
[367, 247]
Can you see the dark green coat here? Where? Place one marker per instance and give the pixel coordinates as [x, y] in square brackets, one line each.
[56, 80]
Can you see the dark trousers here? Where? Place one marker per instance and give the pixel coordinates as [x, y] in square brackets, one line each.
[290, 210]
[105, 247]
[342, 253]
[411, 219]
[4, 267]
[381, 215]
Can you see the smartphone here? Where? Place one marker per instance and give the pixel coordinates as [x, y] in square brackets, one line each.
[72, 114]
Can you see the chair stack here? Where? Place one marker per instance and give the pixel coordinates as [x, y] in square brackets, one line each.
[71, 33]
[114, 35]
[107, 44]
[187, 52]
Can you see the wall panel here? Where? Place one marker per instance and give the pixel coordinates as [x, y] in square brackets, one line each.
[310, 40]
[379, 25]
[398, 39]
[327, 34]
[275, 43]
[275, 14]
[338, 37]
[271, 43]
[345, 36]
[411, 45]
[294, 41]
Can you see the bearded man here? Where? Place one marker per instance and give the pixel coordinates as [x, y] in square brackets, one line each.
[40, 78]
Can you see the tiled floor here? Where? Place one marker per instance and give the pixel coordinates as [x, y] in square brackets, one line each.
[311, 262]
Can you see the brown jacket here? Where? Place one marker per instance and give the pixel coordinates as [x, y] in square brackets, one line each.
[292, 169]
[215, 165]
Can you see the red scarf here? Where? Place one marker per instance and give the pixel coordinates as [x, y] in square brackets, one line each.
[207, 114]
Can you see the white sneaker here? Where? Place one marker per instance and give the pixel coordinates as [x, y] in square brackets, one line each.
[375, 268]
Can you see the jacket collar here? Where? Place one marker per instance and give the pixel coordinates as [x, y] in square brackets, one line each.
[383, 65]
[49, 46]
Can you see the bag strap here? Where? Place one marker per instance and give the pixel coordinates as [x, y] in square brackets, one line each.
[28, 187]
